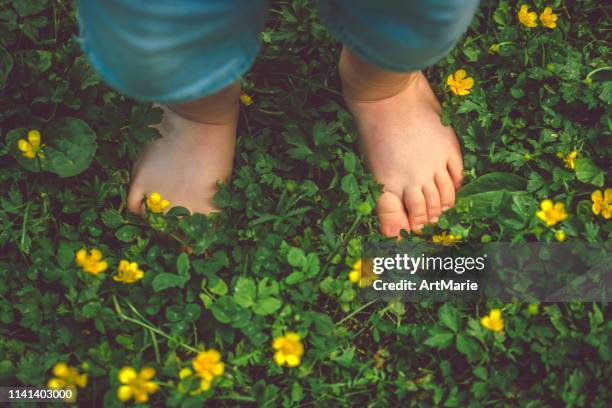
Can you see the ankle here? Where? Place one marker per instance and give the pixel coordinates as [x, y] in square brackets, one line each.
[220, 108]
[364, 82]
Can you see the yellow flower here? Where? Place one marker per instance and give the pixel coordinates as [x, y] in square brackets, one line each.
[156, 203]
[551, 213]
[91, 261]
[136, 385]
[246, 99]
[289, 349]
[602, 203]
[362, 273]
[445, 238]
[128, 272]
[31, 148]
[493, 321]
[67, 377]
[570, 159]
[526, 17]
[185, 372]
[208, 365]
[548, 18]
[460, 83]
[560, 235]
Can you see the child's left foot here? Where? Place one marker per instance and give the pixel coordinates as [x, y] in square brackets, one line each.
[412, 154]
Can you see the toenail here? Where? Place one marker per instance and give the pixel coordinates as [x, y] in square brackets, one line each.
[433, 219]
[445, 208]
[418, 227]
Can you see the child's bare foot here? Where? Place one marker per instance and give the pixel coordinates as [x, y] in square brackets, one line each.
[185, 164]
[411, 153]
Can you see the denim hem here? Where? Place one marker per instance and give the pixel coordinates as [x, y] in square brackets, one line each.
[335, 27]
[235, 70]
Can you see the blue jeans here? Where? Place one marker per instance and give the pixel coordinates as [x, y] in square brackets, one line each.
[177, 51]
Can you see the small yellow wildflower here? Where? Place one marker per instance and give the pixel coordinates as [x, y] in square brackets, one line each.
[91, 261]
[551, 213]
[136, 385]
[602, 203]
[156, 203]
[548, 18]
[362, 273]
[245, 99]
[31, 148]
[128, 272]
[460, 83]
[289, 349]
[67, 377]
[445, 238]
[208, 365]
[526, 17]
[185, 372]
[493, 321]
[560, 235]
[570, 159]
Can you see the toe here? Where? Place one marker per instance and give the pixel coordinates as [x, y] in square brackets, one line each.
[414, 200]
[135, 199]
[446, 189]
[455, 169]
[391, 214]
[432, 200]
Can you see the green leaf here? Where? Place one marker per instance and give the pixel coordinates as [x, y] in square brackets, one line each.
[127, 233]
[29, 7]
[224, 309]
[65, 255]
[493, 182]
[266, 306]
[468, 346]
[245, 292]
[182, 264]
[296, 257]
[71, 145]
[449, 316]
[350, 186]
[6, 65]
[112, 218]
[440, 340]
[588, 172]
[168, 280]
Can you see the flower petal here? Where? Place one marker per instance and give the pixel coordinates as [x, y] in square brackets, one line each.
[127, 374]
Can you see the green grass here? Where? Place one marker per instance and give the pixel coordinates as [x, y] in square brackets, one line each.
[296, 215]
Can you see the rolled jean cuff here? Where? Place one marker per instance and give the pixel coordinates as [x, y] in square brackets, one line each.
[170, 52]
[398, 35]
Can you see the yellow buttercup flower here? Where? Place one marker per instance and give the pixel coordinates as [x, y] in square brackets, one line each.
[362, 273]
[245, 99]
[289, 349]
[560, 235]
[136, 385]
[570, 159]
[31, 147]
[67, 377]
[156, 203]
[208, 365]
[526, 17]
[128, 272]
[548, 18]
[493, 321]
[91, 261]
[551, 213]
[602, 203]
[460, 83]
[445, 238]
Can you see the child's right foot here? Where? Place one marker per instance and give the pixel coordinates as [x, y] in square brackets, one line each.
[185, 164]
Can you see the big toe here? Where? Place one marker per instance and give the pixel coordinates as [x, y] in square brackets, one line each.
[391, 215]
